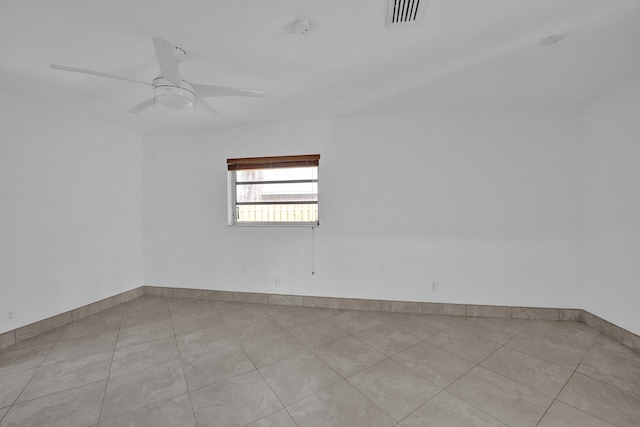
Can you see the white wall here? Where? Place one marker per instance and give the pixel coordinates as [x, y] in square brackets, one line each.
[487, 203]
[612, 207]
[70, 210]
[506, 207]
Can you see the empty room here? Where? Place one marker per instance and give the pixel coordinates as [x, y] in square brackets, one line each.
[320, 213]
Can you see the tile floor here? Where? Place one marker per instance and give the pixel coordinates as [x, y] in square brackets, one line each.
[176, 362]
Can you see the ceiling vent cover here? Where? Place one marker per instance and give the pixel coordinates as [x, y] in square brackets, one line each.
[404, 12]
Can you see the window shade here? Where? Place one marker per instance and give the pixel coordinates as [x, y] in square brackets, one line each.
[273, 162]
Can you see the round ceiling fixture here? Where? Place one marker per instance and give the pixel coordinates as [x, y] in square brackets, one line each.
[173, 96]
[556, 38]
[302, 26]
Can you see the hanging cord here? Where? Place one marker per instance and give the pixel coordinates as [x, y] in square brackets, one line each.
[313, 269]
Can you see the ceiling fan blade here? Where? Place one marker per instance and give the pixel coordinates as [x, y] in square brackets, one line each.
[95, 73]
[208, 91]
[142, 106]
[165, 52]
[201, 104]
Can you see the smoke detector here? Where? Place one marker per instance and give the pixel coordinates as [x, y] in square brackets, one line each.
[556, 38]
[302, 26]
[404, 12]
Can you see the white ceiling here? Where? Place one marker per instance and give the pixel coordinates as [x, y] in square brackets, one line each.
[464, 53]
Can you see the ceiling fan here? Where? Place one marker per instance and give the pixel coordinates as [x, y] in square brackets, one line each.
[169, 88]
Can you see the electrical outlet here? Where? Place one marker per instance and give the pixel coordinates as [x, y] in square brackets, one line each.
[434, 285]
[276, 282]
[11, 315]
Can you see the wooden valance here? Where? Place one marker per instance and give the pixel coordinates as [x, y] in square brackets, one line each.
[245, 163]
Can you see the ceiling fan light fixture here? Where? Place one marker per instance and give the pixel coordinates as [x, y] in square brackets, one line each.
[169, 89]
[172, 96]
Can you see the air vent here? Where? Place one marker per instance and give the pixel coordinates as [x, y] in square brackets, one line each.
[404, 12]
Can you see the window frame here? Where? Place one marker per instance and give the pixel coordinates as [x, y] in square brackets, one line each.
[272, 162]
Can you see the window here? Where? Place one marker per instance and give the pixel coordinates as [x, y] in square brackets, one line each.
[273, 190]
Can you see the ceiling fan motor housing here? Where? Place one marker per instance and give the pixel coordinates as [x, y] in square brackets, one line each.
[171, 95]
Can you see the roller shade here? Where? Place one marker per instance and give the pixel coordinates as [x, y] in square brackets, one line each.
[247, 163]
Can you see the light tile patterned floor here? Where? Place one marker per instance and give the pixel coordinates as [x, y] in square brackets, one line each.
[175, 362]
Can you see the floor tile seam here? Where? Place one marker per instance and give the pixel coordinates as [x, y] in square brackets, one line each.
[477, 335]
[134, 371]
[228, 379]
[167, 338]
[541, 358]
[372, 348]
[272, 392]
[235, 337]
[76, 358]
[313, 349]
[198, 353]
[503, 376]
[568, 340]
[523, 384]
[189, 391]
[423, 339]
[281, 323]
[291, 416]
[240, 343]
[80, 337]
[323, 361]
[287, 358]
[400, 351]
[184, 377]
[511, 379]
[580, 410]
[426, 340]
[443, 387]
[92, 353]
[120, 414]
[618, 355]
[557, 397]
[418, 408]
[108, 379]
[22, 391]
[631, 392]
[547, 410]
[571, 406]
[199, 328]
[462, 357]
[583, 357]
[444, 390]
[372, 402]
[315, 352]
[59, 337]
[476, 407]
[315, 392]
[38, 367]
[20, 370]
[55, 392]
[87, 336]
[268, 415]
[389, 326]
[139, 342]
[343, 329]
[535, 357]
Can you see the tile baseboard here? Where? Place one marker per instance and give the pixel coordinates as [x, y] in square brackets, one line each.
[603, 326]
[627, 338]
[29, 331]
